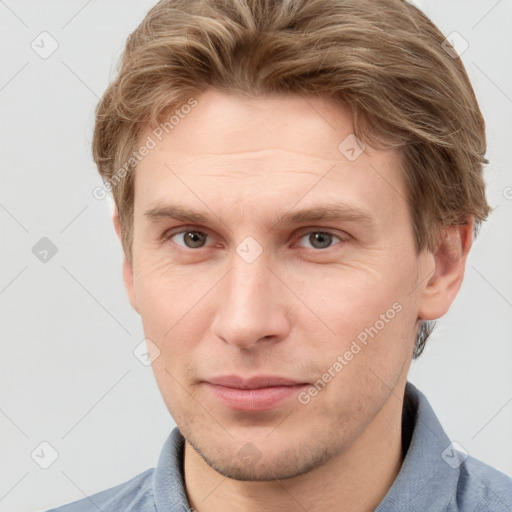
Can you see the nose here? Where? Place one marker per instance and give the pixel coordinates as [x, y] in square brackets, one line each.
[253, 305]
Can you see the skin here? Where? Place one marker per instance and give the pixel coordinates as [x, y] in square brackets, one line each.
[292, 311]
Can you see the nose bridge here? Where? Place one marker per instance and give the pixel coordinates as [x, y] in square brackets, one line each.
[252, 307]
[249, 283]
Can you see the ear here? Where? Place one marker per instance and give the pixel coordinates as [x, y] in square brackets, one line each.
[446, 278]
[127, 265]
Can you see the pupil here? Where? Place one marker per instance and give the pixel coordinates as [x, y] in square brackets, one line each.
[319, 240]
[194, 239]
[324, 240]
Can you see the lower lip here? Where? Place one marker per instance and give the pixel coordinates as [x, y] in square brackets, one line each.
[254, 400]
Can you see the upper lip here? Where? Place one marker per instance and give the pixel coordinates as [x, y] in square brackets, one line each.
[256, 382]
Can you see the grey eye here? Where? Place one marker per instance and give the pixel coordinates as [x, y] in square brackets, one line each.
[320, 239]
[192, 239]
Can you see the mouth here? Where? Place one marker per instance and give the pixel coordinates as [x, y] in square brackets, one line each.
[255, 394]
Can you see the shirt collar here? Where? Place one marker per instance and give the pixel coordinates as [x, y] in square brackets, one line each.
[168, 477]
[425, 480]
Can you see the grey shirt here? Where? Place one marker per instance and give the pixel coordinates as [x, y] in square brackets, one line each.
[435, 475]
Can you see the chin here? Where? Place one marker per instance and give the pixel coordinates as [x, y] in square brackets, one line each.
[249, 463]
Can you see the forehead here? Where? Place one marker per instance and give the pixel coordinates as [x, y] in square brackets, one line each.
[275, 151]
[229, 124]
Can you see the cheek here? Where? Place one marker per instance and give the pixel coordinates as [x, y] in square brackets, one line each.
[352, 301]
[334, 305]
[163, 294]
[357, 371]
[172, 305]
[371, 322]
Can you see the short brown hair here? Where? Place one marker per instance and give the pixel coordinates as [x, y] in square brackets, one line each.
[384, 59]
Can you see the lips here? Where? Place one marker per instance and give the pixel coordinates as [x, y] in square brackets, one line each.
[256, 382]
[254, 394]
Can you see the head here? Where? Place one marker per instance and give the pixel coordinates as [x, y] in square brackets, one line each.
[296, 194]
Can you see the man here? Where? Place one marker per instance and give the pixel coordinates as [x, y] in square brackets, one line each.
[296, 194]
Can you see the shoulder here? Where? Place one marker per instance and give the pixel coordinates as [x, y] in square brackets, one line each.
[133, 495]
[482, 488]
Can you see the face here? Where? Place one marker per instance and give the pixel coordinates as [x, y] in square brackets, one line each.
[276, 278]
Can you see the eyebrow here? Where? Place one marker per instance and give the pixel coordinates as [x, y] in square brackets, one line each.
[333, 212]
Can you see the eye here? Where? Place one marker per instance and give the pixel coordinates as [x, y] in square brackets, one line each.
[191, 239]
[320, 239]
[195, 239]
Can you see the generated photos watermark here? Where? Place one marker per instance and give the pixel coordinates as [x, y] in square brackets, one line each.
[151, 142]
[361, 341]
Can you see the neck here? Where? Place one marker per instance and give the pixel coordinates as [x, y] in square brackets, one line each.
[356, 480]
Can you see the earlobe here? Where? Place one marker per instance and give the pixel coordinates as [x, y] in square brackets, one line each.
[445, 281]
[127, 265]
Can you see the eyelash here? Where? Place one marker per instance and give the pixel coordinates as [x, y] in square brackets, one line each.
[171, 233]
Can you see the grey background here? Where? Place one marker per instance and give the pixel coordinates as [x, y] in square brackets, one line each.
[68, 373]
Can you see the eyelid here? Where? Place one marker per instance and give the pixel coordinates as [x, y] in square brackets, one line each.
[309, 230]
[167, 235]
